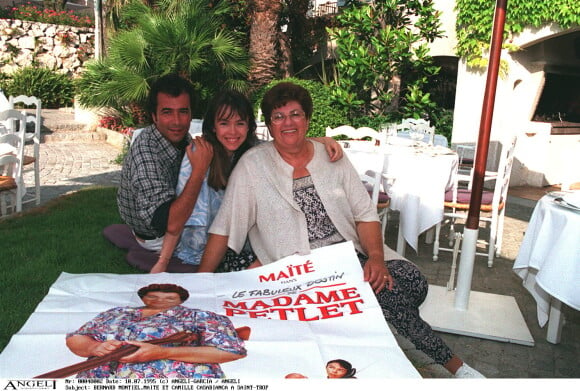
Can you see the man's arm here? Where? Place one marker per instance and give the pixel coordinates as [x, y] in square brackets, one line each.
[333, 148]
[183, 204]
[182, 207]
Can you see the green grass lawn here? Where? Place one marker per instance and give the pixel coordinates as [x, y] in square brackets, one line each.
[65, 235]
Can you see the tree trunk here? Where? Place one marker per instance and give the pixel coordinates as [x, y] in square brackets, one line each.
[99, 30]
[264, 41]
[57, 5]
[296, 41]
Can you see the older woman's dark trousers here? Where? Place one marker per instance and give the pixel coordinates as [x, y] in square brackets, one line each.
[401, 309]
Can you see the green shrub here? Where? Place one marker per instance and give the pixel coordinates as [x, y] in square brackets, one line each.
[54, 89]
[324, 112]
[376, 122]
[442, 119]
[4, 81]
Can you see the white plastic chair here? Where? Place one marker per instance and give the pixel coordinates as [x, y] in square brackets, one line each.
[467, 154]
[11, 184]
[373, 183]
[262, 132]
[493, 203]
[36, 119]
[408, 124]
[355, 134]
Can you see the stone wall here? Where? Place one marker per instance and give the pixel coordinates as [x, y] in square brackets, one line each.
[63, 48]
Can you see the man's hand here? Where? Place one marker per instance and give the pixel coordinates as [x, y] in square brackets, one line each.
[200, 154]
[160, 266]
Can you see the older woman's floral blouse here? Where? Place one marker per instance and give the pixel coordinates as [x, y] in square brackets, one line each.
[126, 323]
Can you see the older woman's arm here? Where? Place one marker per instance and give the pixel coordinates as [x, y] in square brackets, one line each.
[192, 354]
[375, 271]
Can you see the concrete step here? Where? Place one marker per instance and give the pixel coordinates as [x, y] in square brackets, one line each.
[80, 135]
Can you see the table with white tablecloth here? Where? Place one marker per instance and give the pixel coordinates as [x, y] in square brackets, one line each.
[549, 261]
[415, 177]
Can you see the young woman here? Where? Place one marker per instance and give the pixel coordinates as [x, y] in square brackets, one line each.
[229, 126]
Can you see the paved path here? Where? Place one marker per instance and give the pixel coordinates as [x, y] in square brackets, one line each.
[78, 162]
[68, 166]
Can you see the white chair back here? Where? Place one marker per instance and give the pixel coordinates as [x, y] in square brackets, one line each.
[352, 133]
[497, 208]
[12, 147]
[36, 119]
[504, 172]
[9, 184]
[372, 181]
[262, 132]
[13, 121]
[424, 126]
[4, 104]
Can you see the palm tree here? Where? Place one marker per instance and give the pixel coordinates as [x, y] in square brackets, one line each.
[184, 37]
[264, 38]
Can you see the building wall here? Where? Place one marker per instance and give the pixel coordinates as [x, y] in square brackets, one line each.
[445, 46]
[541, 158]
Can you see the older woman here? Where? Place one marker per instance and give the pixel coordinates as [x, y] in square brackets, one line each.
[162, 316]
[287, 198]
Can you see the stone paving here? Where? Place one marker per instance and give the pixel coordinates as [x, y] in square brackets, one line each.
[73, 162]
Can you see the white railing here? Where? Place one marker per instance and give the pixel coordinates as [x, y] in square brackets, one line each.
[327, 8]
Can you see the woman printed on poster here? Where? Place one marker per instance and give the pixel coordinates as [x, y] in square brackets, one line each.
[161, 316]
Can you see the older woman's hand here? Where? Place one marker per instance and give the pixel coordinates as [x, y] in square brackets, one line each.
[146, 352]
[377, 274]
[106, 347]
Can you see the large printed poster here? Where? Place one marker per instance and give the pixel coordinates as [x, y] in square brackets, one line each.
[303, 311]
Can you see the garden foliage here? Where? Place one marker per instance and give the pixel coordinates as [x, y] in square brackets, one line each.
[184, 37]
[325, 112]
[378, 43]
[54, 89]
[475, 19]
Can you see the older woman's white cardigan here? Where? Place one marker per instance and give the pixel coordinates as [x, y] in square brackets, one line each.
[259, 203]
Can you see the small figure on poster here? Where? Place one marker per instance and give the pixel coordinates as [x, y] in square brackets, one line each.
[335, 369]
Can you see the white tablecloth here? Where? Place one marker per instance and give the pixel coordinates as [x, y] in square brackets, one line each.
[416, 180]
[549, 258]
